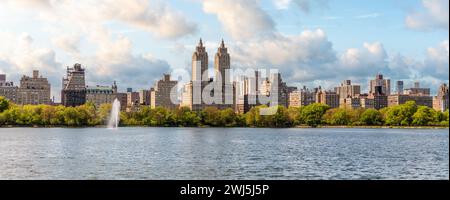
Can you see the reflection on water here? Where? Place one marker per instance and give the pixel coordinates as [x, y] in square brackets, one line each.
[190, 153]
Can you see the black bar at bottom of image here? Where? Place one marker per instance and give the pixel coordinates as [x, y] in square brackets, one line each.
[186, 189]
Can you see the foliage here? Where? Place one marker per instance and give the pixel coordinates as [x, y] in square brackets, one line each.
[401, 115]
[371, 117]
[4, 104]
[312, 115]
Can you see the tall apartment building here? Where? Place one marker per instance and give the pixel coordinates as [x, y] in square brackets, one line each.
[302, 97]
[145, 97]
[192, 91]
[33, 90]
[247, 91]
[222, 78]
[132, 98]
[329, 98]
[74, 87]
[165, 93]
[440, 102]
[385, 85]
[347, 90]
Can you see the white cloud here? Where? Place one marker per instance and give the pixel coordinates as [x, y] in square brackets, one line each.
[434, 16]
[303, 5]
[241, 19]
[282, 4]
[369, 59]
[437, 61]
[152, 16]
[69, 43]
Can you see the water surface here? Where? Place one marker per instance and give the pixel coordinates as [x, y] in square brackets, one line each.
[216, 153]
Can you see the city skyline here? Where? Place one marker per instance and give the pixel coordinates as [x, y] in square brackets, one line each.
[353, 43]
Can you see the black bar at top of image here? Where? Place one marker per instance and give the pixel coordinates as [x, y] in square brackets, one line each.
[166, 189]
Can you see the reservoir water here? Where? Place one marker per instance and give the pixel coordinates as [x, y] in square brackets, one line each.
[216, 153]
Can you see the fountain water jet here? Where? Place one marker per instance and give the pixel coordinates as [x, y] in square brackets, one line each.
[114, 117]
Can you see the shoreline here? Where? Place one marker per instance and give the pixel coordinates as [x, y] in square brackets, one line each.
[204, 127]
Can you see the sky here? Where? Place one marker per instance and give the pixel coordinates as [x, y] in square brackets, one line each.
[311, 42]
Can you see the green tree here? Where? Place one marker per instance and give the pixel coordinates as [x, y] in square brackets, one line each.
[312, 114]
[4, 104]
[423, 116]
[186, 118]
[228, 118]
[401, 115]
[293, 114]
[444, 121]
[337, 116]
[211, 117]
[371, 117]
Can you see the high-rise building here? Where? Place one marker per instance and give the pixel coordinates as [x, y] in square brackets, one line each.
[33, 90]
[399, 87]
[246, 92]
[417, 90]
[200, 63]
[385, 85]
[347, 90]
[74, 87]
[145, 97]
[192, 91]
[132, 98]
[440, 102]
[302, 97]
[222, 78]
[329, 98]
[165, 93]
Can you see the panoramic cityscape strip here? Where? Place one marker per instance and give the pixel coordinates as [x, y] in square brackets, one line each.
[236, 92]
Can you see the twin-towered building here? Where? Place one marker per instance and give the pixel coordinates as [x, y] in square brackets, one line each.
[203, 91]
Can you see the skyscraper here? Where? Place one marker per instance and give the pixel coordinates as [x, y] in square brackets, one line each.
[200, 63]
[399, 87]
[385, 85]
[222, 77]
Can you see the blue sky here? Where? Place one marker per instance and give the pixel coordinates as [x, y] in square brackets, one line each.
[310, 42]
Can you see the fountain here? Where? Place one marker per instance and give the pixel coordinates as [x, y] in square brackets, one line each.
[114, 117]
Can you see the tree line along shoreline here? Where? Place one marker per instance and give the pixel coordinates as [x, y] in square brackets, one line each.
[408, 115]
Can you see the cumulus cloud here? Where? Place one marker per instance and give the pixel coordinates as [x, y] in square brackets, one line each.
[437, 61]
[434, 16]
[369, 60]
[241, 19]
[114, 60]
[152, 16]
